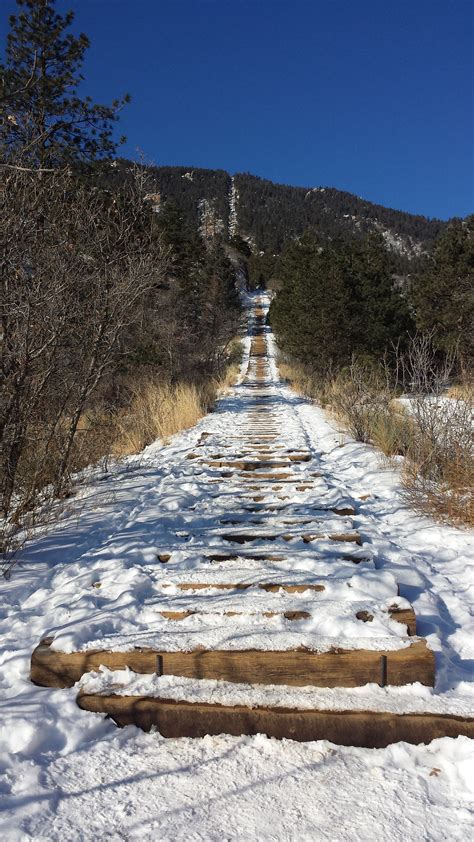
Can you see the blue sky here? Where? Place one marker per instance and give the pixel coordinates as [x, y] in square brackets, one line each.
[370, 96]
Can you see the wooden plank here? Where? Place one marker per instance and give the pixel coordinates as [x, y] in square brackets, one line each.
[270, 587]
[366, 729]
[340, 668]
[344, 511]
[243, 465]
[404, 616]
[216, 557]
[247, 537]
[352, 537]
[299, 457]
[182, 615]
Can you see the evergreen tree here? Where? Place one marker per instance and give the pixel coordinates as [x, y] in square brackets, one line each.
[308, 310]
[203, 284]
[443, 295]
[219, 309]
[378, 313]
[47, 122]
[335, 302]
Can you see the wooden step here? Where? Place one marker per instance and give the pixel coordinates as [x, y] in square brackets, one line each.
[248, 537]
[292, 615]
[405, 616]
[296, 667]
[270, 476]
[270, 587]
[366, 729]
[247, 555]
[249, 465]
[351, 537]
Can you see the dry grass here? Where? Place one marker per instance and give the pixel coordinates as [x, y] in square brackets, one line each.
[299, 379]
[228, 379]
[438, 476]
[393, 432]
[435, 437]
[461, 391]
[359, 399]
[158, 411]
[229, 376]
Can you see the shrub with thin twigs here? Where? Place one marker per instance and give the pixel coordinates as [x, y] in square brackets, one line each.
[438, 476]
[359, 398]
[433, 432]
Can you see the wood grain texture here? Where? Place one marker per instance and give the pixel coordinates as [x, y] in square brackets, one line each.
[341, 668]
[247, 465]
[270, 587]
[367, 729]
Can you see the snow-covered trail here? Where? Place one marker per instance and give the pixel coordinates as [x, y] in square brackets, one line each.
[116, 563]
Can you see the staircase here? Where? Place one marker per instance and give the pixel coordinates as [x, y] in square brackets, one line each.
[280, 592]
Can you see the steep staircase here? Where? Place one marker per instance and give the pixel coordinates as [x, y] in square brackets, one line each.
[280, 592]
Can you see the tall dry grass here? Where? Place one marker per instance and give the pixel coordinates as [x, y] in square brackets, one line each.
[159, 410]
[359, 398]
[300, 380]
[393, 432]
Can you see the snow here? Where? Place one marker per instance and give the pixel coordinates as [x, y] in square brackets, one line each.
[138, 786]
[414, 698]
[233, 200]
[95, 578]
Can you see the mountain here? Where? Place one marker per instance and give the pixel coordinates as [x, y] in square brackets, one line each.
[267, 215]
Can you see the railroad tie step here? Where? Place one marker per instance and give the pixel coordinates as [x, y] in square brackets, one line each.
[361, 728]
[248, 537]
[404, 616]
[340, 667]
[245, 465]
[292, 615]
[270, 587]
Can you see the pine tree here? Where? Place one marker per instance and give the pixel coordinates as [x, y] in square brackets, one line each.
[47, 122]
[443, 295]
[379, 314]
[336, 302]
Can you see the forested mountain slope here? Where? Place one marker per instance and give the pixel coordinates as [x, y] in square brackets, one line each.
[267, 215]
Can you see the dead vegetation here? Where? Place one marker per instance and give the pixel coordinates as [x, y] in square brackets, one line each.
[99, 353]
[431, 428]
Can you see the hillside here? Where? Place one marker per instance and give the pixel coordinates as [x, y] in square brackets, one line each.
[267, 215]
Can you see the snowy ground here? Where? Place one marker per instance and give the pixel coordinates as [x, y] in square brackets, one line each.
[70, 775]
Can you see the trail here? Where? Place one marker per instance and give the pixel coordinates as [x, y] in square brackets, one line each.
[262, 530]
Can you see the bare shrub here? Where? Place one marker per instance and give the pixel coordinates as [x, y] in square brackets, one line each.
[438, 476]
[77, 265]
[438, 473]
[359, 397]
[421, 369]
